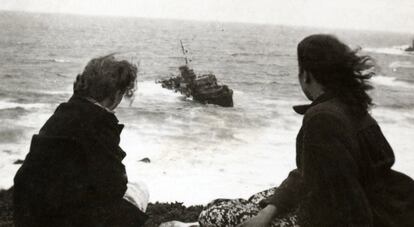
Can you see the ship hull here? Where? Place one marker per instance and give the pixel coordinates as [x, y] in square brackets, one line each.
[221, 96]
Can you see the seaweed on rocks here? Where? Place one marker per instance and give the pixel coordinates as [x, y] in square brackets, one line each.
[157, 212]
[163, 212]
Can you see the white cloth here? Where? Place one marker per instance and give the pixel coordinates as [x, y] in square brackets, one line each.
[179, 224]
[137, 194]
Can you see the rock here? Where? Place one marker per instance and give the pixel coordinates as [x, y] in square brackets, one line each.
[18, 162]
[145, 160]
[7, 151]
[410, 49]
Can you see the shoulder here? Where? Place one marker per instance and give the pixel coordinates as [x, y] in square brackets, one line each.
[335, 113]
[71, 119]
[332, 109]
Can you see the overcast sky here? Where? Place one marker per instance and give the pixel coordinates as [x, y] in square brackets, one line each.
[391, 15]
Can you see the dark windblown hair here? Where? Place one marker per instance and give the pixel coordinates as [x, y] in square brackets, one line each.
[103, 76]
[338, 69]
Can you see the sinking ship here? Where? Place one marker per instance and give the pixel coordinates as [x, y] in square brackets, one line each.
[410, 48]
[203, 89]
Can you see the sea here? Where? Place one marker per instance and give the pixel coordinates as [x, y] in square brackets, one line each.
[197, 152]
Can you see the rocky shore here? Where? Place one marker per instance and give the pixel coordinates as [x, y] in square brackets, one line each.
[158, 212]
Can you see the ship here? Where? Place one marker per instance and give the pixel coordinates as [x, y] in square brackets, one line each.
[410, 48]
[204, 89]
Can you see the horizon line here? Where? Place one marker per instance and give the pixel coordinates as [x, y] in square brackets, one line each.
[210, 21]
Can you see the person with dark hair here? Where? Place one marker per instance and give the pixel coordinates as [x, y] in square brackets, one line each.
[73, 174]
[343, 175]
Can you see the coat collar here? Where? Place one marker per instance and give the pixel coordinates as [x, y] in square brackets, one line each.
[100, 105]
[95, 109]
[301, 109]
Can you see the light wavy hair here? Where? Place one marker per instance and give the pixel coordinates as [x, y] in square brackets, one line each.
[104, 76]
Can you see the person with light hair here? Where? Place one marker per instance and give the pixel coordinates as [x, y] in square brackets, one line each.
[73, 174]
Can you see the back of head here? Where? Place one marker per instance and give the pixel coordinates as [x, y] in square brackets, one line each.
[104, 76]
[338, 68]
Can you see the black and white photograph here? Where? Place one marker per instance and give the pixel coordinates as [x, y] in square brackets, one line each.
[207, 113]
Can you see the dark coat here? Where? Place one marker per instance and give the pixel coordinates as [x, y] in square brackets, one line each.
[73, 174]
[344, 175]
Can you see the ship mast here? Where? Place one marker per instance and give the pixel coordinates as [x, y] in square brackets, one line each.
[184, 52]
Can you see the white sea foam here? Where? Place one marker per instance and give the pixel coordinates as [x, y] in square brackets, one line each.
[149, 91]
[395, 117]
[213, 171]
[231, 169]
[397, 127]
[7, 171]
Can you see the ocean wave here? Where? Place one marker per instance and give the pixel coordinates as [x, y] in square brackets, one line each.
[11, 135]
[258, 83]
[397, 107]
[245, 61]
[56, 92]
[46, 60]
[270, 54]
[401, 64]
[7, 76]
[12, 113]
[391, 82]
[247, 54]
[395, 50]
[19, 106]
[26, 96]
[58, 60]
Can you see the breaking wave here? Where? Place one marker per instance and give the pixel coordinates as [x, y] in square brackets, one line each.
[401, 64]
[58, 60]
[391, 82]
[396, 50]
[15, 105]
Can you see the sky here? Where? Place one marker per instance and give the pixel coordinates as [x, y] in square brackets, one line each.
[385, 15]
